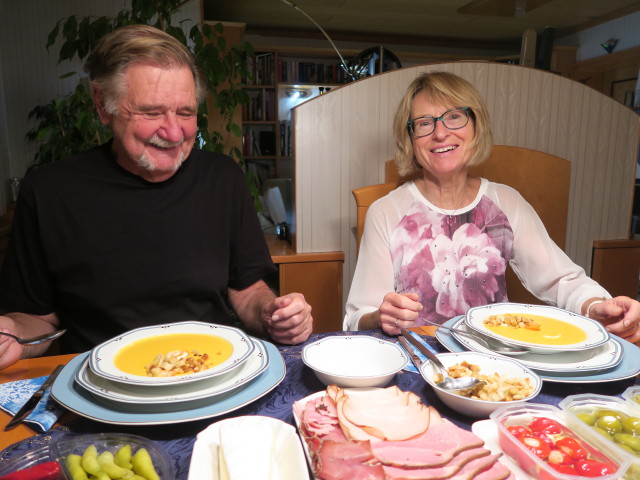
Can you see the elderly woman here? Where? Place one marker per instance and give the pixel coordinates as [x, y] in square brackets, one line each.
[440, 244]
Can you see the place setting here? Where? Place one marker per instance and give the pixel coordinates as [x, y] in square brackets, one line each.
[169, 373]
[560, 346]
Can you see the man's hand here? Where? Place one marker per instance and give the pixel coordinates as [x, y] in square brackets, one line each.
[23, 325]
[288, 319]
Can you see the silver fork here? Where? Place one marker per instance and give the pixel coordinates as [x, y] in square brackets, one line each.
[47, 337]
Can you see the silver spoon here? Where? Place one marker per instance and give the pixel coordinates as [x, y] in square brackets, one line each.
[47, 337]
[462, 385]
[494, 346]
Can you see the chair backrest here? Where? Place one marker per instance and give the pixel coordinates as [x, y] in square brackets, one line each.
[542, 179]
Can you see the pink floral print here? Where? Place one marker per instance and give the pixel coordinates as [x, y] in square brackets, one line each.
[453, 262]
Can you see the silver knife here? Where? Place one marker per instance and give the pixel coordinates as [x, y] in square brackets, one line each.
[414, 358]
[28, 407]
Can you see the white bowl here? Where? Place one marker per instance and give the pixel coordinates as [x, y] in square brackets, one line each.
[102, 357]
[354, 361]
[489, 364]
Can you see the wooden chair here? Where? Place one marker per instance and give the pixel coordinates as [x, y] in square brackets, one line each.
[542, 179]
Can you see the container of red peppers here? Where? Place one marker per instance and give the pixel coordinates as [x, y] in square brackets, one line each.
[610, 418]
[544, 445]
[37, 464]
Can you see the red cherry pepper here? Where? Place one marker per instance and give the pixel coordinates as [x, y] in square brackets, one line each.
[546, 425]
[559, 467]
[594, 468]
[42, 471]
[538, 447]
[518, 430]
[545, 438]
[558, 457]
[572, 447]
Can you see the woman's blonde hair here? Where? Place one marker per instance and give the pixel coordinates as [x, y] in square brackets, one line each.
[136, 44]
[450, 90]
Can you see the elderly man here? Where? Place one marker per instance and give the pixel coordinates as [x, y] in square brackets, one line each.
[144, 229]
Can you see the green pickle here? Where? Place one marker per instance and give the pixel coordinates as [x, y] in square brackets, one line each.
[143, 466]
[94, 465]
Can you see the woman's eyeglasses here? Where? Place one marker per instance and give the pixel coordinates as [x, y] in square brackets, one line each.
[452, 119]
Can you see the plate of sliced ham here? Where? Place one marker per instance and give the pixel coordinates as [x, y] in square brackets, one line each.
[388, 434]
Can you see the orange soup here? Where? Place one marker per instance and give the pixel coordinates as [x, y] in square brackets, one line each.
[551, 332]
[133, 357]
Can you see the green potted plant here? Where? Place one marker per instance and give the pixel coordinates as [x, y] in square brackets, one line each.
[69, 124]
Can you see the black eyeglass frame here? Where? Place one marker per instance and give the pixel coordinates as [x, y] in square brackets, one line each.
[467, 110]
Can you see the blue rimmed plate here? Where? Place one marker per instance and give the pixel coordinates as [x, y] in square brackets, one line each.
[102, 358]
[549, 340]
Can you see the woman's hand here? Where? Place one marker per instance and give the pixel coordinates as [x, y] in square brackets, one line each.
[398, 310]
[621, 316]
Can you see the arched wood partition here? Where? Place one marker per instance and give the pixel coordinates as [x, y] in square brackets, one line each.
[343, 138]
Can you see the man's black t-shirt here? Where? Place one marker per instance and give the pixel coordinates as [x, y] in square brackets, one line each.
[109, 252]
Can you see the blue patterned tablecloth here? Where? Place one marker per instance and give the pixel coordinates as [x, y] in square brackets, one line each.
[178, 439]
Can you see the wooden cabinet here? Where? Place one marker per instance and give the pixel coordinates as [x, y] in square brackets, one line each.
[318, 276]
[616, 266]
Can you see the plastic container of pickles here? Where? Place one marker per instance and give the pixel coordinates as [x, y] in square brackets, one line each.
[540, 439]
[613, 419]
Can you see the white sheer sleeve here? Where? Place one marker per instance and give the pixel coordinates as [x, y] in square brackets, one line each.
[544, 269]
[374, 276]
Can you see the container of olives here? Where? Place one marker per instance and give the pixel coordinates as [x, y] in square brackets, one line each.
[612, 418]
[632, 394]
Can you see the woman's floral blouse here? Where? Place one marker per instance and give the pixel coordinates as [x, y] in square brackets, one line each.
[457, 260]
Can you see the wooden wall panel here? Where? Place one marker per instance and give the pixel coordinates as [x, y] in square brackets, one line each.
[343, 138]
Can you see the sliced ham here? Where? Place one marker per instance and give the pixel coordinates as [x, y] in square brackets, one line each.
[319, 416]
[348, 460]
[435, 447]
[437, 473]
[497, 472]
[475, 468]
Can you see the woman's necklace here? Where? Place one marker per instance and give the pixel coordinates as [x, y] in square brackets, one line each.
[441, 210]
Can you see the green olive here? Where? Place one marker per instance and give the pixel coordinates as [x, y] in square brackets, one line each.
[587, 418]
[628, 440]
[609, 423]
[631, 425]
[609, 413]
[602, 432]
[636, 398]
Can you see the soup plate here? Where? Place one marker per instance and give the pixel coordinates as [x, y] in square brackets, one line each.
[594, 332]
[102, 359]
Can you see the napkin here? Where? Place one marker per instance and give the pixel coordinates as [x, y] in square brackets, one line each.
[410, 366]
[14, 395]
[252, 446]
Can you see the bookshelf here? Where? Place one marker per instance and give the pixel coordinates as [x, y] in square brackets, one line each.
[280, 83]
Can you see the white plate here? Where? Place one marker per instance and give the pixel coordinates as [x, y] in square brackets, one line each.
[75, 398]
[138, 394]
[280, 448]
[596, 334]
[605, 356]
[488, 432]
[629, 366]
[101, 360]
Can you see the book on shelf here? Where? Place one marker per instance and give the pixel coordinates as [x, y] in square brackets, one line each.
[295, 71]
[261, 106]
[263, 69]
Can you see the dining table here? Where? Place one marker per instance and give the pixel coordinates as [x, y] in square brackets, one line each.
[299, 382]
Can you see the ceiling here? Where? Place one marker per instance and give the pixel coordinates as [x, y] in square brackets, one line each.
[482, 24]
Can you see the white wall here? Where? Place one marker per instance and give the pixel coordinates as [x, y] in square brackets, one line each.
[625, 29]
[30, 75]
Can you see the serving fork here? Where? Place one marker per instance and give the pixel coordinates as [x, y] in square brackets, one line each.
[47, 337]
